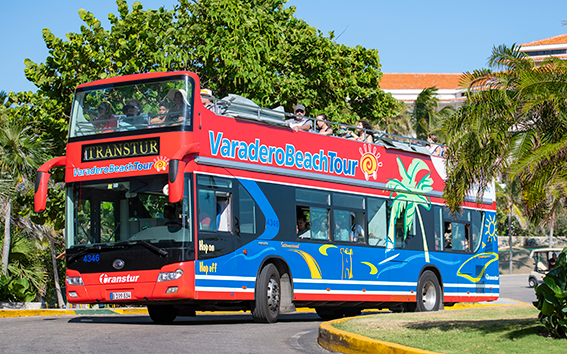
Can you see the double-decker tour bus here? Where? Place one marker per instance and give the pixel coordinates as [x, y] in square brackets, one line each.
[183, 208]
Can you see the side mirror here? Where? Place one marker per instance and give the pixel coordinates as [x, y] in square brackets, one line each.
[176, 169]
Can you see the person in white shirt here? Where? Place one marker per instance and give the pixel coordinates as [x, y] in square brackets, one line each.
[299, 122]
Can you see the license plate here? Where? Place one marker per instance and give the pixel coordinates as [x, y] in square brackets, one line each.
[121, 296]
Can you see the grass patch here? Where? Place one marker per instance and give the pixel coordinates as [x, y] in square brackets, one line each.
[494, 330]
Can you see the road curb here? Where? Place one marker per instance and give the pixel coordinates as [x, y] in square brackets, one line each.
[334, 339]
[337, 340]
[59, 312]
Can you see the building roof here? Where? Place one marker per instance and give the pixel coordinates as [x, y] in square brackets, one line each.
[560, 39]
[397, 81]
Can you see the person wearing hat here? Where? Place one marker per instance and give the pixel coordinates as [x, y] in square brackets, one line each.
[132, 110]
[299, 122]
[206, 96]
[179, 99]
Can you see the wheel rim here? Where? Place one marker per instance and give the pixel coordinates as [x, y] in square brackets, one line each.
[273, 295]
[429, 296]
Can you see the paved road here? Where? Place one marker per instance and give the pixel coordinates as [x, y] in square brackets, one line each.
[206, 333]
[230, 333]
[515, 286]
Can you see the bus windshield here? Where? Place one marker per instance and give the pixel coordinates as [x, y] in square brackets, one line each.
[127, 107]
[126, 211]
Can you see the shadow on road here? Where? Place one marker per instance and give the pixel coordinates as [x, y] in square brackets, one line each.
[200, 319]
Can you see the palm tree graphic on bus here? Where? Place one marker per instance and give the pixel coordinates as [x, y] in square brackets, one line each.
[406, 201]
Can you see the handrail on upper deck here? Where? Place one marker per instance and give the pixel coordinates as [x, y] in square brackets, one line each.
[243, 108]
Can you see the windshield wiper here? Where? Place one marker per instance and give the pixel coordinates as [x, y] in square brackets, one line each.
[148, 245]
[162, 252]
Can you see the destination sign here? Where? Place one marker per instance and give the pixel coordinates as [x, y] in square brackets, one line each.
[120, 149]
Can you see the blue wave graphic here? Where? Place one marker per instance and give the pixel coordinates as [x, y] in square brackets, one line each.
[401, 264]
[249, 258]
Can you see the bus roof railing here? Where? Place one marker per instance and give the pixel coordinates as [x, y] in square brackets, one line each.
[241, 107]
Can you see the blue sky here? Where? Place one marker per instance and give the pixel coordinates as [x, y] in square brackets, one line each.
[437, 36]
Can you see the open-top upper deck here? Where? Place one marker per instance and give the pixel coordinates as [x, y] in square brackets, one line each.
[165, 111]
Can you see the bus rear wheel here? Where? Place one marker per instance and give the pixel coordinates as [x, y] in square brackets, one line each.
[266, 305]
[162, 313]
[428, 293]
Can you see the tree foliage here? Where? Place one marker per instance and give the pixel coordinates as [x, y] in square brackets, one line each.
[514, 120]
[250, 47]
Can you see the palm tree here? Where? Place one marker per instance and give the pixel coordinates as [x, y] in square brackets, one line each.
[406, 202]
[511, 195]
[22, 153]
[398, 125]
[514, 121]
[424, 116]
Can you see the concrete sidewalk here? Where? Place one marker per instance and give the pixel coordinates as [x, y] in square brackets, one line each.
[73, 312]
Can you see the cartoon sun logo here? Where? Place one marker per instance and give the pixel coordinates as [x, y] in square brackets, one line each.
[369, 161]
[160, 163]
[491, 228]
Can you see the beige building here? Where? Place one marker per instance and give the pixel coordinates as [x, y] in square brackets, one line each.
[406, 87]
[544, 48]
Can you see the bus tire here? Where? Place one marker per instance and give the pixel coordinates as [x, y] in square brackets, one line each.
[428, 293]
[326, 313]
[162, 313]
[266, 304]
[329, 313]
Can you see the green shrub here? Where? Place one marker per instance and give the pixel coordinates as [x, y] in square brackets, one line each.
[552, 298]
[15, 289]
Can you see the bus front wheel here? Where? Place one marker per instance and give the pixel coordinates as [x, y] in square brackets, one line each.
[162, 314]
[266, 305]
[428, 292]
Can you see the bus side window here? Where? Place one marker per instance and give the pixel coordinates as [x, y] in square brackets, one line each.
[303, 226]
[207, 210]
[377, 222]
[319, 218]
[448, 237]
[246, 224]
[459, 232]
[224, 211]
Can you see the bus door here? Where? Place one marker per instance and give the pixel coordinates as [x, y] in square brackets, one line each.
[216, 232]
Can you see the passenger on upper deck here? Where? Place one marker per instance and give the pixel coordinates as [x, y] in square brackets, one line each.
[132, 110]
[206, 96]
[361, 134]
[179, 98]
[433, 148]
[299, 122]
[161, 118]
[323, 125]
[105, 121]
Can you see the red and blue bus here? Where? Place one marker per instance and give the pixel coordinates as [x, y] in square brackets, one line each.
[183, 209]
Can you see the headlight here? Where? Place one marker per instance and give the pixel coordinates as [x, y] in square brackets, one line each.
[170, 275]
[75, 281]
